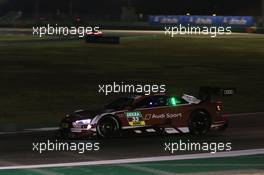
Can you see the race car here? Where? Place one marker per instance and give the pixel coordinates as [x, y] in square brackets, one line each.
[158, 113]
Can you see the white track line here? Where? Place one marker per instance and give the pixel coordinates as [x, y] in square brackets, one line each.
[32, 130]
[43, 129]
[139, 160]
[15, 132]
[161, 31]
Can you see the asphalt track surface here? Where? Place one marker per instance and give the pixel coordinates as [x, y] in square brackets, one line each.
[244, 132]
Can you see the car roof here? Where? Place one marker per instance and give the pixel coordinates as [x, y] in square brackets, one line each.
[143, 95]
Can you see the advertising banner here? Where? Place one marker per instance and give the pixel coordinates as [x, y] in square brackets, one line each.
[233, 21]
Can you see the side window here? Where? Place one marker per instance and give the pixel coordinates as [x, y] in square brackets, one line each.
[174, 101]
[145, 103]
[162, 100]
[152, 101]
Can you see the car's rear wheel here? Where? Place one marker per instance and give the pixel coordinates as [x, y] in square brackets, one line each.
[199, 123]
[107, 127]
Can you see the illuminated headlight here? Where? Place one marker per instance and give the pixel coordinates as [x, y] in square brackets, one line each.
[81, 122]
[89, 126]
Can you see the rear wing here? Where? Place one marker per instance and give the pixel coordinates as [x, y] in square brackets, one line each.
[207, 93]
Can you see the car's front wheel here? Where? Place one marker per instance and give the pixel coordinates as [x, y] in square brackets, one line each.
[199, 123]
[107, 127]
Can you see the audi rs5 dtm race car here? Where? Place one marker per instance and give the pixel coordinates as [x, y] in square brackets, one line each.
[148, 114]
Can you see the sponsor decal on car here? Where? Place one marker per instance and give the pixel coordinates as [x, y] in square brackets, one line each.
[162, 116]
[135, 118]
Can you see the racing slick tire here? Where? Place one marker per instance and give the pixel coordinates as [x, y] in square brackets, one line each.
[108, 127]
[199, 123]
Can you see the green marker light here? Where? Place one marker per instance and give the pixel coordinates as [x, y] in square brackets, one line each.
[174, 101]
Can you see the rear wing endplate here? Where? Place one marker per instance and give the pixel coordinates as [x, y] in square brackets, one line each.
[207, 93]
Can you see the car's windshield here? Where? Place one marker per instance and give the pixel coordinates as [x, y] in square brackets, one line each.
[120, 103]
[156, 101]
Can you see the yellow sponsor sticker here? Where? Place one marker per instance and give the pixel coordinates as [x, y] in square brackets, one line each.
[135, 118]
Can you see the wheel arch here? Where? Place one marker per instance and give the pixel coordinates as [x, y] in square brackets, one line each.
[112, 115]
[203, 110]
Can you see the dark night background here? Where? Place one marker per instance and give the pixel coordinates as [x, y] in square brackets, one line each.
[174, 7]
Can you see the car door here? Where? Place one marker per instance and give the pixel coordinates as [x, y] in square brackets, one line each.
[163, 111]
[153, 110]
